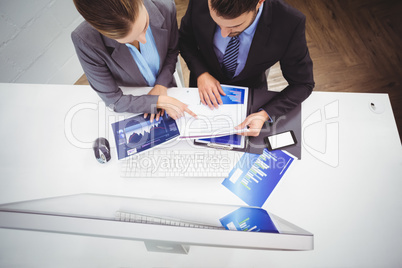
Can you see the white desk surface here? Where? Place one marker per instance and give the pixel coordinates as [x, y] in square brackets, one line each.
[345, 190]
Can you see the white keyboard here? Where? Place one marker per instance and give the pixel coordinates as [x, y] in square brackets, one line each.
[208, 163]
[138, 218]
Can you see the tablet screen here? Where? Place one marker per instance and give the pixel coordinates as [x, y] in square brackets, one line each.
[236, 141]
[137, 134]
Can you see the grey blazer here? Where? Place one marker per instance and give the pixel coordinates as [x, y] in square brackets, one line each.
[109, 64]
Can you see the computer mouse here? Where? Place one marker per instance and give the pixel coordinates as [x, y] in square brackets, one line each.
[102, 150]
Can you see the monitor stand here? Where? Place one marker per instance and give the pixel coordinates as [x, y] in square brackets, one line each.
[167, 247]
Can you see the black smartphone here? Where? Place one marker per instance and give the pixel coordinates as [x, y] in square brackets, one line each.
[280, 140]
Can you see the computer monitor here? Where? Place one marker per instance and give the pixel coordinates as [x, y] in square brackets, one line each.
[164, 226]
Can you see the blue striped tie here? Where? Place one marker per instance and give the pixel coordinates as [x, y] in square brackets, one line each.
[229, 63]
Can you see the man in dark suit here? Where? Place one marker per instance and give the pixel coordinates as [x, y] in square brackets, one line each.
[235, 41]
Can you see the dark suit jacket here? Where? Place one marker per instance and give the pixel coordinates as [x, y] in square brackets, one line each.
[109, 64]
[279, 36]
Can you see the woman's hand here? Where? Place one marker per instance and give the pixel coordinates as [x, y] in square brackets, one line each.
[173, 107]
[157, 90]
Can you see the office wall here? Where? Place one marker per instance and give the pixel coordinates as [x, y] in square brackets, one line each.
[35, 43]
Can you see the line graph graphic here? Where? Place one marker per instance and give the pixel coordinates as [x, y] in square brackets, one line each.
[136, 134]
[143, 132]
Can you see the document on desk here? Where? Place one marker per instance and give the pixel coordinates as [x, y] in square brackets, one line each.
[254, 176]
[217, 122]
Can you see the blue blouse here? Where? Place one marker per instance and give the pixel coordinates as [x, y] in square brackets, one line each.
[147, 58]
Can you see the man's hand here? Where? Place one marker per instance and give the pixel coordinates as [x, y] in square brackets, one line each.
[210, 90]
[157, 90]
[173, 107]
[254, 122]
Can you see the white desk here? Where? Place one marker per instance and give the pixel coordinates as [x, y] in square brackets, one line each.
[345, 190]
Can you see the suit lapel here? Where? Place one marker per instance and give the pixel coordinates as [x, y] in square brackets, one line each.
[209, 32]
[122, 56]
[260, 39]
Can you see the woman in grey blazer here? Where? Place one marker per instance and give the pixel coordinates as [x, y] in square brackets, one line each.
[130, 43]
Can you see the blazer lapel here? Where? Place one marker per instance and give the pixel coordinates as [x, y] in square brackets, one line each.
[210, 28]
[122, 56]
[260, 39]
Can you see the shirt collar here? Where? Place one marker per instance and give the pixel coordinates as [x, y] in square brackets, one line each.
[251, 29]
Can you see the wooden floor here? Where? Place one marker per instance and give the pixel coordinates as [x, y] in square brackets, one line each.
[355, 45]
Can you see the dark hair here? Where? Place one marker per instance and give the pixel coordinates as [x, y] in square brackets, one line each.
[230, 9]
[112, 18]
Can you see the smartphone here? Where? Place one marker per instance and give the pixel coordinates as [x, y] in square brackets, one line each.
[280, 140]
